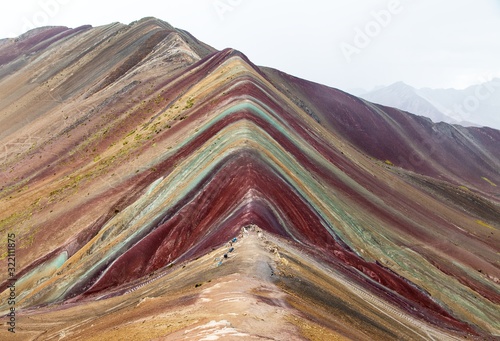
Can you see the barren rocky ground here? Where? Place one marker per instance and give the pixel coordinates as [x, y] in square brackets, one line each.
[132, 155]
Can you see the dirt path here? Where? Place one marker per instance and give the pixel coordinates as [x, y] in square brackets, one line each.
[245, 305]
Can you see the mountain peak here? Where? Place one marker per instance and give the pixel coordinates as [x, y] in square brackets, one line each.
[159, 182]
[152, 21]
[401, 85]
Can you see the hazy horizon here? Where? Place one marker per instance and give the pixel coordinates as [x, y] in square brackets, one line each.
[344, 45]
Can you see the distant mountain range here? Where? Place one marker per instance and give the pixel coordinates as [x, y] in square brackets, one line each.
[477, 105]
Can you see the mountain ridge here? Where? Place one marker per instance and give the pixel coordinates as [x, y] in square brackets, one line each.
[174, 155]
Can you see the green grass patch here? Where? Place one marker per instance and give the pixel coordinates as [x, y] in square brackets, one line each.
[489, 181]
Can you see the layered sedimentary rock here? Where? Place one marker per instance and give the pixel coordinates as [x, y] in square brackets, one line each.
[132, 155]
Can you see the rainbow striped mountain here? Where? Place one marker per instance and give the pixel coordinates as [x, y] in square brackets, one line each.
[159, 189]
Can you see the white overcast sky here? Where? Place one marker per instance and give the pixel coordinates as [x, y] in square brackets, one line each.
[425, 43]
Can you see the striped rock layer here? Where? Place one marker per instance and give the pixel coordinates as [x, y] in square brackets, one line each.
[132, 154]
